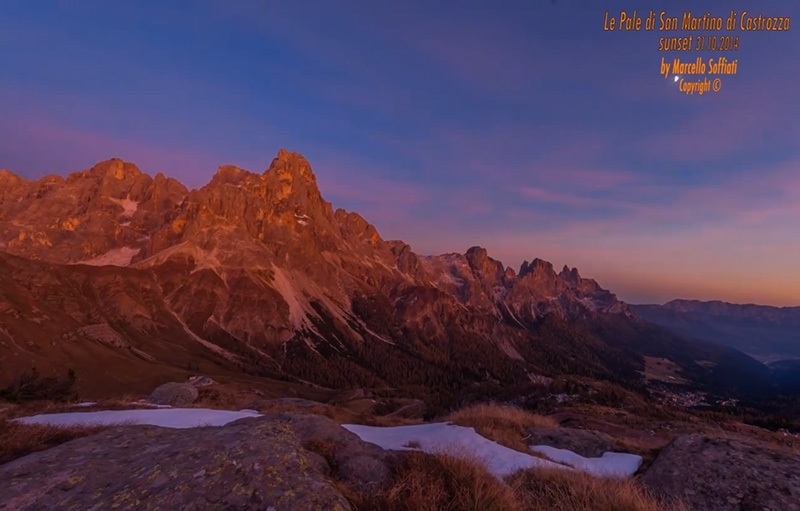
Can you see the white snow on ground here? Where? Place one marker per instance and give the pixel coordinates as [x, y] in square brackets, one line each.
[500, 460]
[86, 404]
[129, 206]
[178, 418]
[115, 257]
[456, 440]
[614, 464]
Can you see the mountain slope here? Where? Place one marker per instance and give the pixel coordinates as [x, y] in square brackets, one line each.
[257, 273]
[766, 333]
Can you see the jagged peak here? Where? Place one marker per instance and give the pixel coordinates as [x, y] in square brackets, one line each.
[537, 266]
[231, 174]
[476, 254]
[293, 164]
[354, 223]
[570, 275]
[114, 167]
[228, 169]
[8, 176]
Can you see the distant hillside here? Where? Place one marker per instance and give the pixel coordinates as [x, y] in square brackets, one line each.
[766, 333]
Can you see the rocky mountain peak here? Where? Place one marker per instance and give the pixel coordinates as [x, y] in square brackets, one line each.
[9, 180]
[6, 174]
[538, 268]
[115, 169]
[293, 165]
[570, 275]
[477, 256]
[229, 172]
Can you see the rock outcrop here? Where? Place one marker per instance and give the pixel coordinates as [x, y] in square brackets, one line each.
[588, 443]
[174, 394]
[253, 464]
[719, 474]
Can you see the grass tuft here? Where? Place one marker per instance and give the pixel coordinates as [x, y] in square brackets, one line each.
[18, 440]
[425, 482]
[568, 490]
[504, 424]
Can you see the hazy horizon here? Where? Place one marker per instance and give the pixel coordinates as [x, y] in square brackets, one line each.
[526, 129]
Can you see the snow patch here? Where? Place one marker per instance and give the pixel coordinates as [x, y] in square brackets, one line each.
[500, 460]
[129, 206]
[86, 404]
[611, 464]
[178, 418]
[458, 440]
[115, 257]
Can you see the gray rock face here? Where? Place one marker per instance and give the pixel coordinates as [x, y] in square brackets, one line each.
[366, 466]
[174, 394]
[587, 443]
[253, 464]
[716, 474]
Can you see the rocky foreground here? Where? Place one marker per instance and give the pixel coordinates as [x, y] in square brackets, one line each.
[289, 461]
[253, 464]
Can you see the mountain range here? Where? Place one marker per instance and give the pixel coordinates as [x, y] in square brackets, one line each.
[766, 333]
[130, 279]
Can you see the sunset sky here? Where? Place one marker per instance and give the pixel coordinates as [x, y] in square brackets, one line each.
[520, 126]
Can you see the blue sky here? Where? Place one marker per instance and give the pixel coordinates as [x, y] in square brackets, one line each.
[519, 126]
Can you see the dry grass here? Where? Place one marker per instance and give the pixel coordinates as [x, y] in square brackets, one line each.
[438, 483]
[505, 425]
[567, 490]
[388, 420]
[17, 440]
[425, 482]
[338, 414]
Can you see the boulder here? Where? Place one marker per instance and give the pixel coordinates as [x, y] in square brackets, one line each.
[587, 443]
[726, 474]
[253, 464]
[364, 465]
[174, 394]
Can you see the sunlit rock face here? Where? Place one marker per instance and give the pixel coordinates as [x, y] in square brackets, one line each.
[246, 269]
